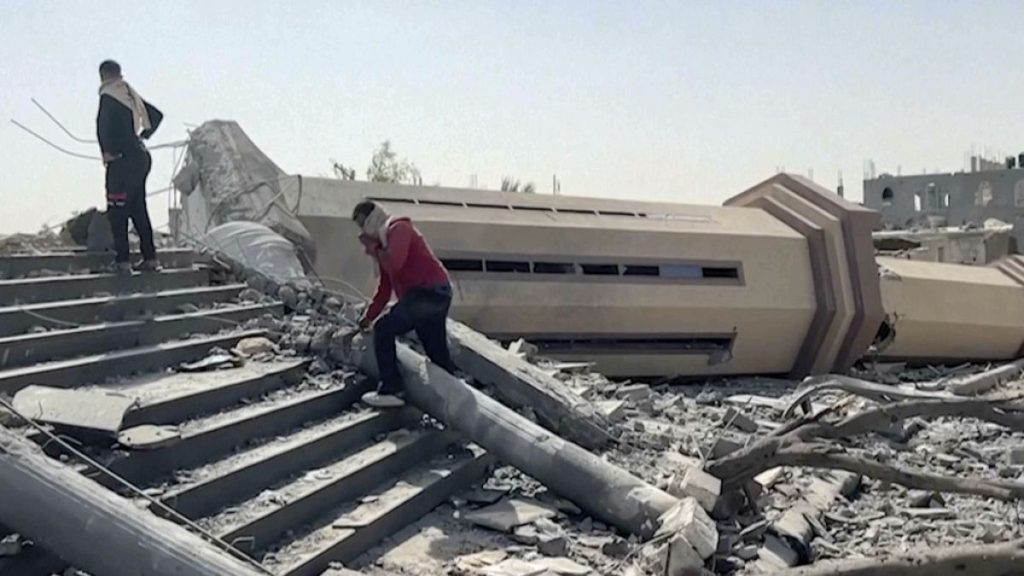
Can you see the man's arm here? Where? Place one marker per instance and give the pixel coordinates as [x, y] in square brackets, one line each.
[397, 253]
[155, 118]
[380, 298]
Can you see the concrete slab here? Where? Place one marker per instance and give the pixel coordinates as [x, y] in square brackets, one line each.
[93, 411]
[562, 566]
[513, 567]
[507, 514]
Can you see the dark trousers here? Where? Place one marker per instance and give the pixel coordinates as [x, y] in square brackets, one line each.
[424, 310]
[126, 200]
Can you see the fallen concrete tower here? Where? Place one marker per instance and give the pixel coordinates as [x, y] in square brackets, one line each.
[949, 312]
[782, 279]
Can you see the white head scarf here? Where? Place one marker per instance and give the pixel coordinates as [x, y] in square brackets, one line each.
[376, 224]
[120, 90]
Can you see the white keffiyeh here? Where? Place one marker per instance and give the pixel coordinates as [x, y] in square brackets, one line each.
[120, 90]
[376, 225]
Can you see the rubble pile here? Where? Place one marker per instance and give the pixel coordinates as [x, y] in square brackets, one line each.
[29, 243]
[678, 437]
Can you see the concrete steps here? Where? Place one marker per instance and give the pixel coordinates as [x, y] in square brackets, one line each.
[214, 436]
[95, 368]
[176, 397]
[347, 532]
[19, 319]
[23, 265]
[244, 474]
[260, 523]
[71, 287]
[264, 452]
[25, 349]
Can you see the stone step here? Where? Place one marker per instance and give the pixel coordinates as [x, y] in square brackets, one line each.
[34, 561]
[169, 398]
[353, 529]
[21, 265]
[257, 525]
[245, 474]
[96, 368]
[19, 319]
[211, 437]
[70, 287]
[25, 349]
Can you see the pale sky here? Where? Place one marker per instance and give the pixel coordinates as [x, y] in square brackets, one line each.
[678, 101]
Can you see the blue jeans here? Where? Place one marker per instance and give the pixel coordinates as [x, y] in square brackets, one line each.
[424, 310]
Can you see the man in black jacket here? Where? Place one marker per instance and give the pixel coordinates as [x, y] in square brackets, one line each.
[123, 122]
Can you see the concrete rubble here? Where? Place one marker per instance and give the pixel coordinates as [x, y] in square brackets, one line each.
[766, 475]
[785, 517]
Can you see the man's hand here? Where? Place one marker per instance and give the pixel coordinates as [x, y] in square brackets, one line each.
[364, 323]
[370, 244]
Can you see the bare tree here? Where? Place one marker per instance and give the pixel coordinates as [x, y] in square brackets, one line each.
[341, 172]
[509, 184]
[386, 167]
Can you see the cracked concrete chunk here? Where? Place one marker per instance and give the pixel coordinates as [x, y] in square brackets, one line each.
[507, 514]
[777, 554]
[683, 559]
[725, 445]
[691, 521]
[473, 562]
[256, 345]
[770, 477]
[512, 567]
[794, 524]
[484, 495]
[563, 566]
[738, 420]
[86, 409]
[613, 410]
[698, 484]
[633, 392]
[149, 437]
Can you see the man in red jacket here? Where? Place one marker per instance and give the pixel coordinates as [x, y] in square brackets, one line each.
[408, 268]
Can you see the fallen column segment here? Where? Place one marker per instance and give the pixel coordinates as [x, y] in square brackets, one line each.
[603, 490]
[520, 384]
[38, 490]
[974, 559]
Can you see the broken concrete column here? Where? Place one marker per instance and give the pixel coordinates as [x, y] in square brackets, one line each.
[99, 532]
[600, 488]
[519, 383]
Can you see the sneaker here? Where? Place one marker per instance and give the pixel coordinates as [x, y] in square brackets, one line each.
[123, 269]
[148, 266]
[378, 400]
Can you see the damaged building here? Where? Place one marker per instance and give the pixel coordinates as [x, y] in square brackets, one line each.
[990, 190]
[207, 419]
[781, 279]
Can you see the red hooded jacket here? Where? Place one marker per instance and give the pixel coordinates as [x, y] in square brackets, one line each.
[407, 263]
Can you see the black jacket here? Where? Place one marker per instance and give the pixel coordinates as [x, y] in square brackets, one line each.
[115, 127]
